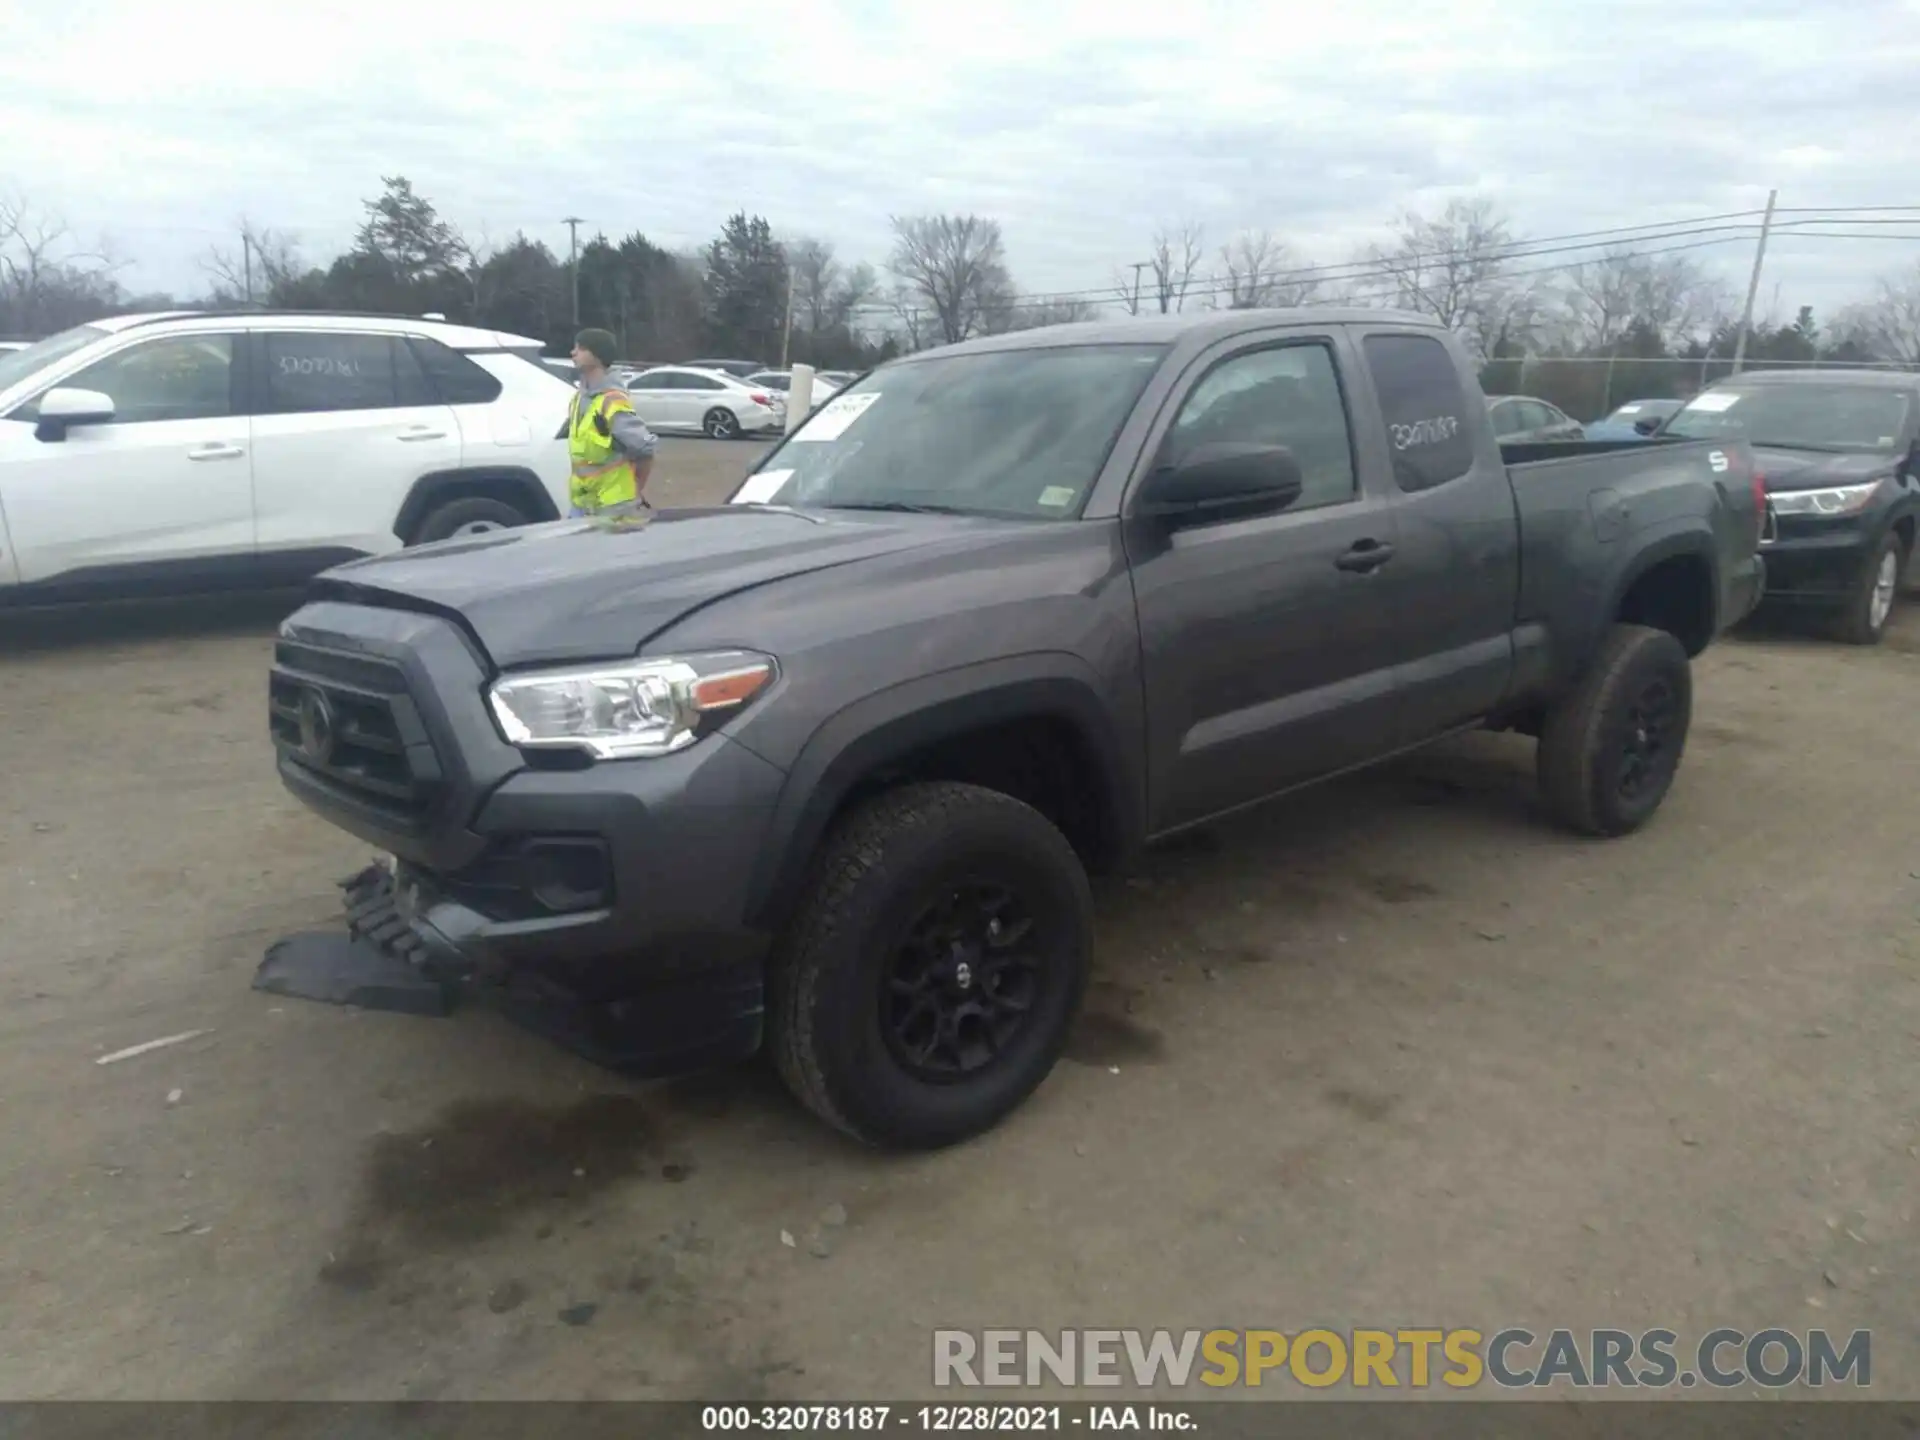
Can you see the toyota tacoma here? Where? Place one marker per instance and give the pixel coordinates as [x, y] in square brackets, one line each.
[825, 769]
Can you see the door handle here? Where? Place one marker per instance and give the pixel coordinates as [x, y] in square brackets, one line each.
[215, 452]
[421, 432]
[1364, 557]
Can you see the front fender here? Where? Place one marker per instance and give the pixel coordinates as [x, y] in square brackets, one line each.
[873, 733]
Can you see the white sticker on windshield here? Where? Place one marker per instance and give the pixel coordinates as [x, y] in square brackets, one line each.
[1713, 403]
[761, 488]
[831, 420]
[1055, 496]
[1629, 409]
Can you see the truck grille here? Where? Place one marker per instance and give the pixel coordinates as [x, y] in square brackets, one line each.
[346, 724]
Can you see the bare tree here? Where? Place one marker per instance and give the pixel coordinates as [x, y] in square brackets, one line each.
[1668, 296]
[264, 260]
[816, 275]
[953, 266]
[1455, 267]
[49, 281]
[1261, 272]
[1888, 325]
[1176, 260]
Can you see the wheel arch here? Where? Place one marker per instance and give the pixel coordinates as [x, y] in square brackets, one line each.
[880, 740]
[514, 485]
[1671, 584]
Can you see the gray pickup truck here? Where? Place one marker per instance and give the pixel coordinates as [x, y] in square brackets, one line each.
[825, 769]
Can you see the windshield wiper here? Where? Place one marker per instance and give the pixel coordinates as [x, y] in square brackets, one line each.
[900, 507]
[1791, 445]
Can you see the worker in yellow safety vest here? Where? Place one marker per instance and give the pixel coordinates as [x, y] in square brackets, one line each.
[610, 447]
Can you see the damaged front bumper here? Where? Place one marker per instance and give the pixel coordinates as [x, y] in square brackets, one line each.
[407, 949]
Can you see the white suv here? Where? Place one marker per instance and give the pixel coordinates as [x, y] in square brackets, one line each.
[186, 451]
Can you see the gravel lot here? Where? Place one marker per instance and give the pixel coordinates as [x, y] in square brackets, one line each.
[1394, 1052]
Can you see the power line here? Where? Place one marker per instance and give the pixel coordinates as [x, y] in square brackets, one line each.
[1389, 270]
[1394, 271]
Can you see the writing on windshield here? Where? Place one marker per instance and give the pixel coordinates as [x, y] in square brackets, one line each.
[1018, 433]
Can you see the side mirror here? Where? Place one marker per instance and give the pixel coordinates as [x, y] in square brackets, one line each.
[62, 408]
[1222, 481]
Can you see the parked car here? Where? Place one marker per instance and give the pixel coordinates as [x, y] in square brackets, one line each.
[1635, 420]
[739, 369]
[1523, 420]
[839, 379]
[190, 451]
[781, 381]
[1840, 450]
[826, 770]
[562, 367]
[7, 346]
[708, 402]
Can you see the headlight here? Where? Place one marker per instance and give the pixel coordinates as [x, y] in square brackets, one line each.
[1839, 500]
[637, 707]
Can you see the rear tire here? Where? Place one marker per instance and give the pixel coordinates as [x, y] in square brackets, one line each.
[928, 982]
[474, 515]
[721, 424]
[1875, 592]
[1610, 749]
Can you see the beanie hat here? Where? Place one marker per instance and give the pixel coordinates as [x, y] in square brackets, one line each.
[600, 344]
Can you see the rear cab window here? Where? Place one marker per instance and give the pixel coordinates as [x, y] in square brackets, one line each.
[1427, 411]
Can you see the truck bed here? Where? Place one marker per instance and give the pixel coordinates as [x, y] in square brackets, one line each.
[1578, 501]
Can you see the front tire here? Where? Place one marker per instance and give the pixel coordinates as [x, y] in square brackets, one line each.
[1610, 749]
[928, 982]
[1864, 620]
[721, 424]
[472, 516]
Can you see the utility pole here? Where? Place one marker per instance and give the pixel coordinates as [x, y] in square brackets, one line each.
[1753, 284]
[1138, 266]
[573, 224]
[786, 335]
[246, 251]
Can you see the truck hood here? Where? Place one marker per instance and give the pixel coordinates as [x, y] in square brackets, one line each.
[1811, 470]
[599, 589]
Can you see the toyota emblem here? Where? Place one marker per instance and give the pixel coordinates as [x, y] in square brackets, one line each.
[316, 727]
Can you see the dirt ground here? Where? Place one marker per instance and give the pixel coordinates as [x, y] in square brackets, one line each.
[1392, 1053]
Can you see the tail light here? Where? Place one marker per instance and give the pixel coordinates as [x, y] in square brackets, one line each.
[760, 399]
[1760, 503]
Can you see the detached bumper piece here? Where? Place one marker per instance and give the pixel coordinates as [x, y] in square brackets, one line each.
[394, 959]
[379, 963]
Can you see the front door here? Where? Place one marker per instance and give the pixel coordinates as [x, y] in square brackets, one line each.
[161, 493]
[1267, 642]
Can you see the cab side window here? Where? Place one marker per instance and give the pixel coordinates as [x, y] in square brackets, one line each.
[1429, 429]
[177, 377]
[1287, 395]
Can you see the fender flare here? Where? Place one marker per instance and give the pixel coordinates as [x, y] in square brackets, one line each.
[1684, 540]
[885, 727]
[517, 482]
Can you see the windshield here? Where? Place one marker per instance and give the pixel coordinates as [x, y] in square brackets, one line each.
[1841, 418]
[1018, 433]
[18, 365]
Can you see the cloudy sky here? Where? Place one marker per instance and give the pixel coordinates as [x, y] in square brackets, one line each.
[1080, 126]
